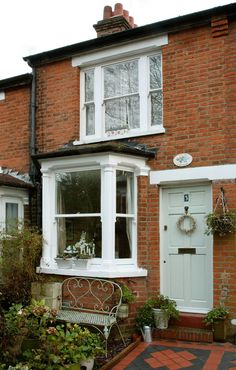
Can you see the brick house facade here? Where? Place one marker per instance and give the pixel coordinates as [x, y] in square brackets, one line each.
[183, 87]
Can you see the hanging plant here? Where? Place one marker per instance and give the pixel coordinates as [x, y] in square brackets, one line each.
[221, 222]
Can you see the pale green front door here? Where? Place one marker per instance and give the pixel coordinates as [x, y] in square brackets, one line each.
[186, 256]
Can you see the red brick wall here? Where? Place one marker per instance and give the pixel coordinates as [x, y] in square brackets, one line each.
[199, 117]
[14, 129]
[57, 117]
[225, 254]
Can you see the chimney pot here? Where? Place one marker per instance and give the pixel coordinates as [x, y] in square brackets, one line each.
[131, 21]
[107, 13]
[126, 15]
[118, 9]
[114, 21]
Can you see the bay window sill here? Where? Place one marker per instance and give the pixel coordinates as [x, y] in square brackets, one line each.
[117, 271]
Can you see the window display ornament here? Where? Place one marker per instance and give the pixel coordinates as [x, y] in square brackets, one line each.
[181, 223]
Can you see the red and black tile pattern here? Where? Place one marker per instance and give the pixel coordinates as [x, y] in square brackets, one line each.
[167, 355]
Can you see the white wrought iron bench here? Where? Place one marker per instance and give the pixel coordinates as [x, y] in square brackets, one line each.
[89, 301]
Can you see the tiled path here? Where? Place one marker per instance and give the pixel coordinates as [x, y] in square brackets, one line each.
[173, 355]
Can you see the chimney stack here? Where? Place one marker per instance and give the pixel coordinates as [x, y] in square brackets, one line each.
[114, 21]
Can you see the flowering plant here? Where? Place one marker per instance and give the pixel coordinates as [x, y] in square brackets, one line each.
[64, 345]
[32, 319]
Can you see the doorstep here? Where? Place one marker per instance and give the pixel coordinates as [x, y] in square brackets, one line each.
[190, 320]
[184, 333]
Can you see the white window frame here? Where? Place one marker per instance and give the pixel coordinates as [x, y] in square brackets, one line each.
[109, 163]
[12, 195]
[140, 50]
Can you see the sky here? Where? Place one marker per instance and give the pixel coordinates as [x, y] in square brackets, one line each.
[29, 27]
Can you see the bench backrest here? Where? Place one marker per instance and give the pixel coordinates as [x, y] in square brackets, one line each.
[91, 295]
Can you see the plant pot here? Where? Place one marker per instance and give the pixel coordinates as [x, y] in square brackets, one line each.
[123, 311]
[29, 344]
[64, 263]
[87, 364]
[74, 367]
[81, 263]
[220, 330]
[161, 319]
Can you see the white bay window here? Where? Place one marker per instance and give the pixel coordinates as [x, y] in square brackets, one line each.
[96, 195]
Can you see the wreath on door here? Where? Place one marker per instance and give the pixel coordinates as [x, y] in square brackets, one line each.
[181, 223]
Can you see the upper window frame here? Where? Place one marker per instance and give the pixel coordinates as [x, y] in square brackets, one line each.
[111, 55]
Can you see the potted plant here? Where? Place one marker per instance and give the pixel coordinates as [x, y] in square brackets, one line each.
[64, 260]
[84, 251]
[221, 224]
[145, 319]
[66, 346]
[163, 308]
[128, 297]
[217, 319]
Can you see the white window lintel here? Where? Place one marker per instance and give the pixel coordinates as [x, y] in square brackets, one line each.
[205, 173]
[126, 50]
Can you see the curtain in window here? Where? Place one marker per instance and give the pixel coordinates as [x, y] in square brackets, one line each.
[61, 224]
[129, 210]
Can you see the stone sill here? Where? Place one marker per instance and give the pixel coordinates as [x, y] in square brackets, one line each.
[118, 272]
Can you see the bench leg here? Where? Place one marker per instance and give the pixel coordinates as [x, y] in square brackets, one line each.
[120, 334]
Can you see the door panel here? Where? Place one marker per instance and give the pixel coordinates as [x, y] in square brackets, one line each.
[187, 271]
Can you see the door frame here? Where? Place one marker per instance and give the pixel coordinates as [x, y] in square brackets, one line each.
[161, 229]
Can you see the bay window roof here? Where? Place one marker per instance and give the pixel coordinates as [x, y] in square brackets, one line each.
[123, 147]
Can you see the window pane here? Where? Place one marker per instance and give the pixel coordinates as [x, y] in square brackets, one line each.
[78, 192]
[69, 231]
[90, 119]
[121, 79]
[124, 192]
[122, 113]
[11, 216]
[156, 108]
[89, 85]
[155, 72]
[123, 237]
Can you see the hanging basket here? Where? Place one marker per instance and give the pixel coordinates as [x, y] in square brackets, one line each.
[221, 222]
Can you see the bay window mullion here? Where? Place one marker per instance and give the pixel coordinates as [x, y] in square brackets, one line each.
[108, 213]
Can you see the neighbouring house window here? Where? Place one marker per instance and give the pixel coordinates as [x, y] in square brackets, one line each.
[11, 208]
[99, 200]
[78, 208]
[12, 216]
[122, 99]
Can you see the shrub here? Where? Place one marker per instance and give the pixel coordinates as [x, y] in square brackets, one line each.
[20, 254]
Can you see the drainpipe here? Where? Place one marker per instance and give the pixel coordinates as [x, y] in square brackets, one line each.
[33, 119]
[34, 174]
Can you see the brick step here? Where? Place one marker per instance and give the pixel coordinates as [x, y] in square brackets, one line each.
[183, 333]
[189, 320]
